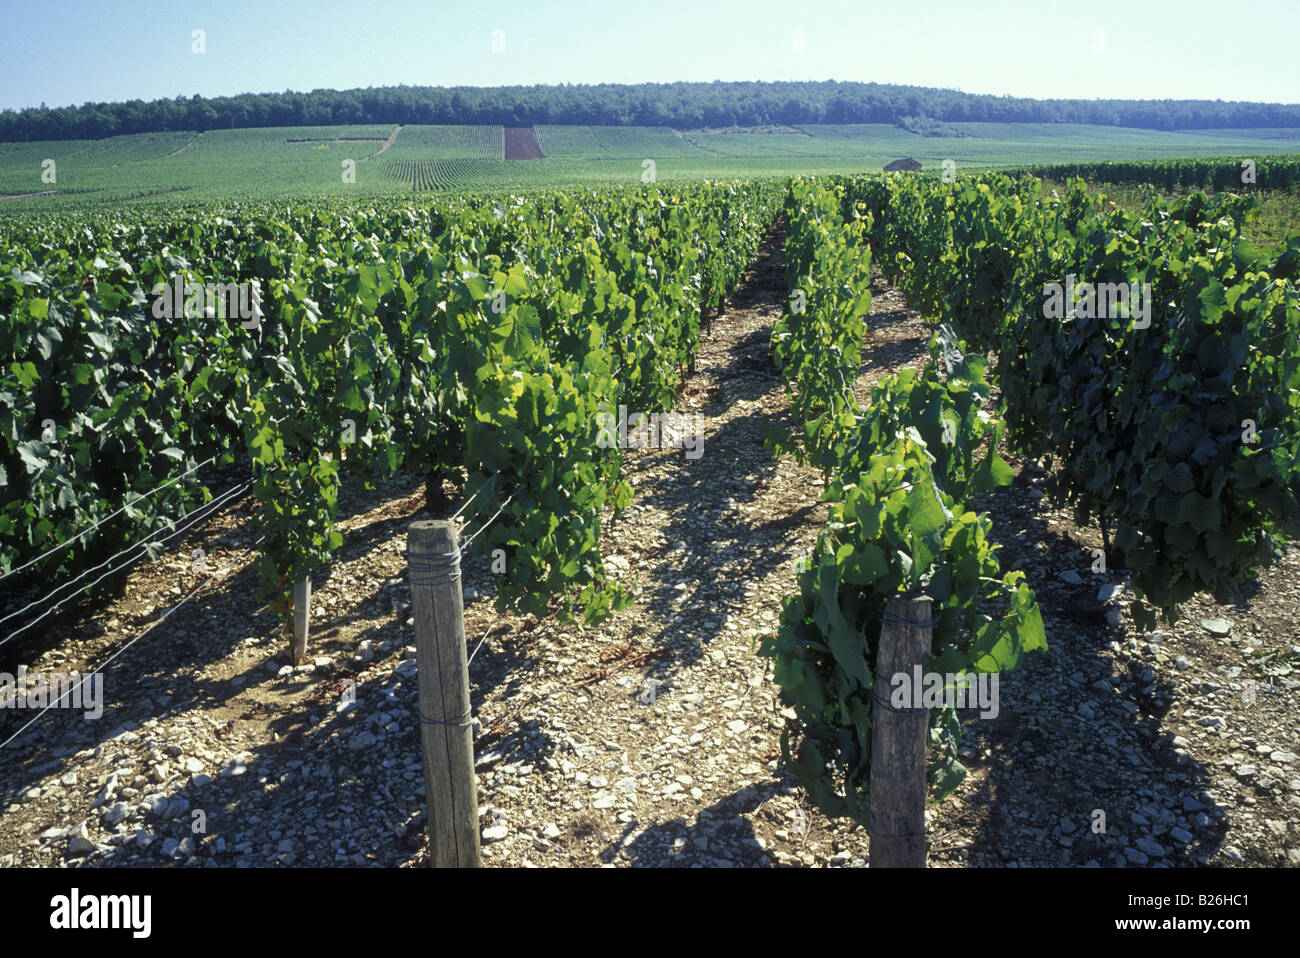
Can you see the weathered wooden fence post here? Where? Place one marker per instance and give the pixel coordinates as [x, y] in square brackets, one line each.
[446, 734]
[301, 618]
[899, 736]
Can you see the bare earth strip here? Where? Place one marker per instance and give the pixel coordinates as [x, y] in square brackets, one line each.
[392, 138]
[521, 143]
[182, 149]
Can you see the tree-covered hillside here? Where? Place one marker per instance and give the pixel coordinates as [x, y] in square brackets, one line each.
[680, 105]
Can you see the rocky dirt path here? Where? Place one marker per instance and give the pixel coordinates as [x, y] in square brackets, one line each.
[185, 146]
[653, 739]
[392, 138]
[671, 761]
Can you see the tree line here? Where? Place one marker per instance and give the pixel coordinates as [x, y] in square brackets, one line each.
[680, 105]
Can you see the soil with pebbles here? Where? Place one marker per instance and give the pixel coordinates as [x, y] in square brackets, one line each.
[654, 738]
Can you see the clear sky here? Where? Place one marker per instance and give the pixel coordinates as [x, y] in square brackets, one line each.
[68, 52]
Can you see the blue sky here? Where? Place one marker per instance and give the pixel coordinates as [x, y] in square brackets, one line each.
[63, 53]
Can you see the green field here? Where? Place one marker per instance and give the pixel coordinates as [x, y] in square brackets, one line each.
[313, 161]
[447, 143]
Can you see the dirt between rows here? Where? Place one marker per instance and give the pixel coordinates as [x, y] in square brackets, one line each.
[653, 739]
[520, 143]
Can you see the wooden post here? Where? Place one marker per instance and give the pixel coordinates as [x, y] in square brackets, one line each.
[898, 772]
[301, 618]
[433, 561]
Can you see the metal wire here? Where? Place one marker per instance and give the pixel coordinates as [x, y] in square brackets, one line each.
[890, 619]
[187, 522]
[462, 722]
[465, 545]
[886, 704]
[475, 493]
[68, 542]
[433, 568]
[109, 660]
[191, 520]
[210, 507]
[480, 643]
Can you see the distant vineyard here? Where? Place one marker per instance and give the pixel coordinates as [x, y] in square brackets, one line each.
[747, 145]
[303, 134]
[449, 143]
[22, 164]
[423, 175]
[607, 141]
[443, 157]
[312, 161]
